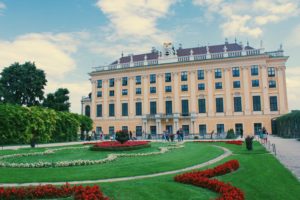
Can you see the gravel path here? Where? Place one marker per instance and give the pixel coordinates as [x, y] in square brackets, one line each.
[288, 153]
[226, 153]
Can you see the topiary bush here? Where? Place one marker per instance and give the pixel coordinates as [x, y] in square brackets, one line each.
[249, 142]
[122, 136]
[230, 134]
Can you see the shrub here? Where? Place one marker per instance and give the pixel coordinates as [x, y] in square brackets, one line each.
[122, 136]
[196, 137]
[249, 142]
[230, 134]
[288, 125]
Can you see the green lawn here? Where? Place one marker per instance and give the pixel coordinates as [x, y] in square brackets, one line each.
[260, 176]
[191, 154]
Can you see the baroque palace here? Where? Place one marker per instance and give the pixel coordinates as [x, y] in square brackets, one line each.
[201, 89]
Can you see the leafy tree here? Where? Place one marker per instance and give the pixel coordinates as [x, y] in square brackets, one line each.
[58, 101]
[22, 84]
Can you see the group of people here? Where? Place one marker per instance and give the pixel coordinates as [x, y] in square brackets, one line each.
[264, 135]
[91, 135]
[170, 136]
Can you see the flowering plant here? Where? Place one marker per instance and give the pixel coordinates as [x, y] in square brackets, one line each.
[201, 179]
[51, 191]
[236, 142]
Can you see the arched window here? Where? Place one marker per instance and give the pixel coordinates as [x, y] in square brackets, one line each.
[87, 111]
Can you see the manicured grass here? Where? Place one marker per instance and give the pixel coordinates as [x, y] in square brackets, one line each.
[78, 154]
[260, 176]
[191, 154]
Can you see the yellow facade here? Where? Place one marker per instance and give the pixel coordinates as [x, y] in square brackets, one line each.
[229, 118]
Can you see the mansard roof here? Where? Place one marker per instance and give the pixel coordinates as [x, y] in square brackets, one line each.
[185, 52]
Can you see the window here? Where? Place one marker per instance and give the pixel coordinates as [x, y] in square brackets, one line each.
[200, 74]
[236, 72]
[184, 88]
[99, 110]
[153, 107]
[201, 86]
[111, 82]
[111, 93]
[219, 105]
[218, 73]
[271, 72]
[256, 103]
[257, 128]
[272, 84]
[220, 128]
[236, 84]
[202, 129]
[138, 80]
[87, 111]
[168, 88]
[124, 81]
[153, 130]
[99, 83]
[99, 93]
[218, 85]
[185, 107]
[169, 108]
[152, 90]
[124, 109]
[111, 110]
[254, 70]
[201, 106]
[111, 130]
[138, 91]
[273, 103]
[238, 128]
[237, 104]
[255, 83]
[124, 92]
[186, 129]
[125, 128]
[184, 76]
[138, 131]
[138, 108]
[168, 77]
[152, 78]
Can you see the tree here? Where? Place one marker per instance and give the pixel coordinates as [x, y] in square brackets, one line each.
[22, 84]
[58, 101]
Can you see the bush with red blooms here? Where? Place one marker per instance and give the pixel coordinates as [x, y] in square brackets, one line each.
[114, 145]
[51, 191]
[201, 179]
[236, 142]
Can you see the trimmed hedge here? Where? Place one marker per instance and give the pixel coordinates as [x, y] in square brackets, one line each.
[21, 125]
[288, 125]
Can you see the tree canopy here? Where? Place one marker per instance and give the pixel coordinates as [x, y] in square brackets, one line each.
[58, 101]
[22, 84]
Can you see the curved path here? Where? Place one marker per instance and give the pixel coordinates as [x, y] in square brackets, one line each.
[226, 153]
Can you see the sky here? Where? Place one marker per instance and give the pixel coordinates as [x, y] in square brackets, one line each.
[67, 38]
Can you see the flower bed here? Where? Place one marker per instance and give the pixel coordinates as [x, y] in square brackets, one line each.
[236, 142]
[52, 192]
[117, 146]
[201, 179]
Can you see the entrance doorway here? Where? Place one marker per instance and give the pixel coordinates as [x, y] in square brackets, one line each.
[238, 128]
[169, 128]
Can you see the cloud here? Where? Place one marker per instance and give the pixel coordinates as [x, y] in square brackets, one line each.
[293, 85]
[134, 18]
[293, 39]
[244, 17]
[50, 52]
[2, 6]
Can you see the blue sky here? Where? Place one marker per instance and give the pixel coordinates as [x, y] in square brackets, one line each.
[66, 38]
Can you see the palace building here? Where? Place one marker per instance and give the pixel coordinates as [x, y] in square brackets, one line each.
[200, 89]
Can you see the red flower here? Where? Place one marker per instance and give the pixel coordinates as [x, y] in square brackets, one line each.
[201, 179]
